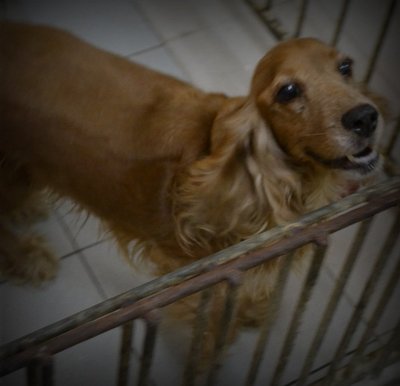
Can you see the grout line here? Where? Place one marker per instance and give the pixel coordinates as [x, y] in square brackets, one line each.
[165, 42]
[82, 249]
[82, 257]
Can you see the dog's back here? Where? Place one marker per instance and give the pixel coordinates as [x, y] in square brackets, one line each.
[98, 127]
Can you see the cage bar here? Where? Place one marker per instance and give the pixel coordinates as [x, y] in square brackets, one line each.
[152, 321]
[375, 317]
[340, 22]
[40, 372]
[227, 319]
[301, 18]
[200, 327]
[392, 344]
[379, 43]
[367, 291]
[270, 314]
[311, 279]
[125, 353]
[334, 299]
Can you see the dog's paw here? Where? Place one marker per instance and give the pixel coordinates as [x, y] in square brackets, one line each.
[33, 264]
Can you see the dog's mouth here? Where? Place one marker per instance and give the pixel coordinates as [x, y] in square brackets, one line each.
[364, 162]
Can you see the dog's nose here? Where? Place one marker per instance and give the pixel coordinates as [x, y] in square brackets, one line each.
[361, 120]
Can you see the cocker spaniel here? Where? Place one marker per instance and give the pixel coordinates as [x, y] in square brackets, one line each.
[183, 171]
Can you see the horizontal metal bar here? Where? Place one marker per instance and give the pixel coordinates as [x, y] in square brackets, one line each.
[252, 252]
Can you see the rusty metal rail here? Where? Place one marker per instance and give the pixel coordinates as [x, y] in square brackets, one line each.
[222, 266]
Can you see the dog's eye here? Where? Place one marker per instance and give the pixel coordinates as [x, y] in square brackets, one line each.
[288, 92]
[346, 67]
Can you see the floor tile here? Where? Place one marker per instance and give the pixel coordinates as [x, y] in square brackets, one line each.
[81, 228]
[160, 59]
[54, 234]
[210, 65]
[26, 309]
[170, 19]
[112, 270]
[115, 26]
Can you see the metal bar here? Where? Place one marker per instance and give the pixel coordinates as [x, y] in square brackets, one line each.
[169, 288]
[334, 300]
[375, 317]
[373, 200]
[309, 284]
[152, 321]
[379, 42]
[200, 327]
[391, 345]
[393, 138]
[383, 194]
[301, 18]
[125, 353]
[270, 314]
[40, 372]
[340, 22]
[267, 18]
[225, 325]
[363, 301]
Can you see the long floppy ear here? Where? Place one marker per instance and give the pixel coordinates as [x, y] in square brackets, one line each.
[242, 187]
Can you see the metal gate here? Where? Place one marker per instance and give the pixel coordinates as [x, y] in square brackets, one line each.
[349, 362]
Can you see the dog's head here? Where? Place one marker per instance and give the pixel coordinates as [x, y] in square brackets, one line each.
[305, 93]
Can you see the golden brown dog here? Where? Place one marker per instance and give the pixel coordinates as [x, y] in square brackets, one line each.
[183, 171]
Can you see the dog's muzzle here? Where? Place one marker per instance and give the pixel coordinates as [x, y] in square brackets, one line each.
[361, 120]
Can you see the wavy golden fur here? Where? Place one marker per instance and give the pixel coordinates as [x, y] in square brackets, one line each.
[182, 171]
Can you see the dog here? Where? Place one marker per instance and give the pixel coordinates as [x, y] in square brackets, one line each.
[182, 171]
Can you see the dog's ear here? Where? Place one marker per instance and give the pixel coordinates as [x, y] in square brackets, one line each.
[240, 188]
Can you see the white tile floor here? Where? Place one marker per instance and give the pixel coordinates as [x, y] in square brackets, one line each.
[214, 44]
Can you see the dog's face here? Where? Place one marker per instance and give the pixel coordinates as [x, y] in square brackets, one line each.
[305, 93]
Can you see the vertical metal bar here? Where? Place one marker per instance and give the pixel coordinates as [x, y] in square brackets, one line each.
[41, 372]
[393, 138]
[392, 344]
[152, 321]
[340, 22]
[226, 322]
[199, 329]
[125, 354]
[311, 279]
[300, 20]
[363, 301]
[334, 300]
[48, 371]
[269, 318]
[373, 321]
[379, 43]
[33, 374]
